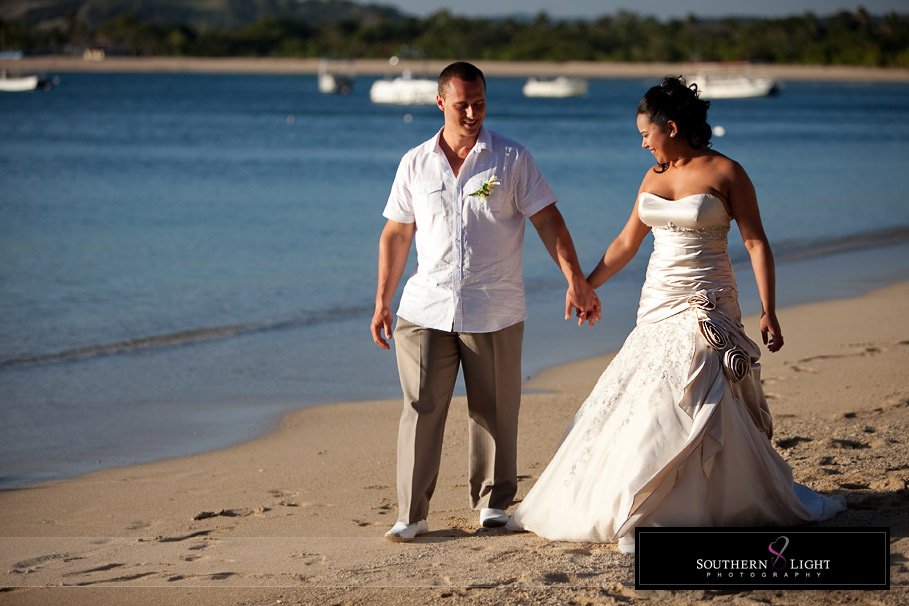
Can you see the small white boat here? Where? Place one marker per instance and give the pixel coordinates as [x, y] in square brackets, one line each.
[332, 81]
[18, 84]
[559, 87]
[732, 86]
[404, 90]
[334, 84]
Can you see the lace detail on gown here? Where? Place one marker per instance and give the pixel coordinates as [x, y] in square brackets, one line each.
[637, 368]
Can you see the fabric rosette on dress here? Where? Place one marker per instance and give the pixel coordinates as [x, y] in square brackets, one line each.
[736, 362]
[738, 354]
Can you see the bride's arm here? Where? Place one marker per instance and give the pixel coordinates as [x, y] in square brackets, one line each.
[744, 207]
[621, 250]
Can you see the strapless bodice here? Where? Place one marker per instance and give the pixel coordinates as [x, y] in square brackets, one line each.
[689, 255]
[702, 214]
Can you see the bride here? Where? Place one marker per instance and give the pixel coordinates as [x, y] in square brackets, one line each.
[677, 431]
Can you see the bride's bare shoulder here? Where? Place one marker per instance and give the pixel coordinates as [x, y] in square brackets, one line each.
[721, 162]
[652, 176]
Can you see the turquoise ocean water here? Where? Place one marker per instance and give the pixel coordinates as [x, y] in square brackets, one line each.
[185, 257]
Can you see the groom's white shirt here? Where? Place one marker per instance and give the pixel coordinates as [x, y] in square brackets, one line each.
[469, 275]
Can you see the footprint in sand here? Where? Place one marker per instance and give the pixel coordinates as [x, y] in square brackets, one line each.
[792, 442]
[577, 551]
[384, 507]
[553, 578]
[854, 485]
[807, 369]
[178, 538]
[847, 444]
[232, 513]
[309, 558]
[103, 568]
[286, 498]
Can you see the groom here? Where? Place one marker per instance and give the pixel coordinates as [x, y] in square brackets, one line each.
[463, 196]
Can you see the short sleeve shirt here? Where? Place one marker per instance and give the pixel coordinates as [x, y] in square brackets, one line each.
[469, 275]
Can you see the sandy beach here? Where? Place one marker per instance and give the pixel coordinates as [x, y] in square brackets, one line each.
[297, 516]
[379, 67]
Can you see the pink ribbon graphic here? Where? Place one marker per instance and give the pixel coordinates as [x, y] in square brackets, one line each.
[779, 554]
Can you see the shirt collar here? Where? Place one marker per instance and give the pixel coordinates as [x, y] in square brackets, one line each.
[484, 141]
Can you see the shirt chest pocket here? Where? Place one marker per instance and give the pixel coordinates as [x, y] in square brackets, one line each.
[430, 205]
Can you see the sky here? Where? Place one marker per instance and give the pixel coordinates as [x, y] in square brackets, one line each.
[662, 9]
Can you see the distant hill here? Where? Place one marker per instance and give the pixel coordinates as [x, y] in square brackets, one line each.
[202, 15]
[344, 28]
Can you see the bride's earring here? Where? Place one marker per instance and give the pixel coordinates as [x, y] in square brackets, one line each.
[672, 134]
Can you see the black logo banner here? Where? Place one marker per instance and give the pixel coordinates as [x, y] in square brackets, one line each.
[762, 558]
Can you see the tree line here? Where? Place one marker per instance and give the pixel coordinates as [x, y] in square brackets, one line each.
[845, 38]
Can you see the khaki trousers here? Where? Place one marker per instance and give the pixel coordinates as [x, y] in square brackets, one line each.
[428, 362]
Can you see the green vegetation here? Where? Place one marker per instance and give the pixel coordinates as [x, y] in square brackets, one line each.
[314, 28]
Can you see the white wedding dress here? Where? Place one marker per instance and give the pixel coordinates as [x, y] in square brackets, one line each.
[676, 431]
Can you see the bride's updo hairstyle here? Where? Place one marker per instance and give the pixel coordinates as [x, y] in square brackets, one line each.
[672, 99]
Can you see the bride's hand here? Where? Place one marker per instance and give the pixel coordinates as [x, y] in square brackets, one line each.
[581, 299]
[771, 333]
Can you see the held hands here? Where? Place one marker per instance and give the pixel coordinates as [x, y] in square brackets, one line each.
[771, 333]
[582, 300]
[381, 326]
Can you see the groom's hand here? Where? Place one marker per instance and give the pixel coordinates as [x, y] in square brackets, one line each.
[581, 299]
[381, 327]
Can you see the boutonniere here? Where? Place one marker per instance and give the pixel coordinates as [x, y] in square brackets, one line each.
[487, 187]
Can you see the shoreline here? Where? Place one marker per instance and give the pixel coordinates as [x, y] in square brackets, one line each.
[298, 514]
[380, 67]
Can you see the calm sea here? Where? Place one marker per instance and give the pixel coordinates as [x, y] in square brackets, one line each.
[185, 257]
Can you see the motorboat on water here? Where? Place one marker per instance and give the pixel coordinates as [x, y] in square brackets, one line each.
[732, 86]
[22, 84]
[404, 90]
[333, 81]
[559, 87]
[335, 84]
[18, 84]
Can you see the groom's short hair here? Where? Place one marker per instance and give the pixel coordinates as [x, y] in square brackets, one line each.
[461, 70]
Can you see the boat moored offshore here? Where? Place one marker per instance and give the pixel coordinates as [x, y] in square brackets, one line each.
[559, 87]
